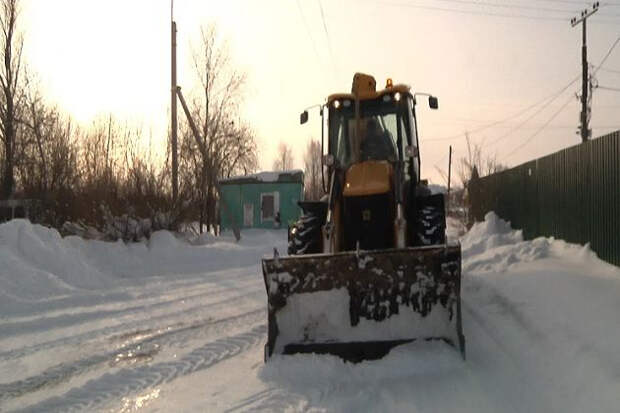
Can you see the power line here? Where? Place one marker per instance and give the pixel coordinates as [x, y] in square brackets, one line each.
[607, 55]
[516, 115]
[534, 114]
[528, 140]
[582, 3]
[613, 89]
[472, 12]
[316, 53]
[329, 43]
[604, 69]
[509, 6]
[485, 13]
[538, 125]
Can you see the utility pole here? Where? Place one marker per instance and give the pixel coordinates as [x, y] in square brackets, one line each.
[173, 109]
[585, 80]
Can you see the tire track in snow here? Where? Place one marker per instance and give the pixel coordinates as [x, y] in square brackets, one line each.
[113, 386]
[272, 400]
[494, 349]
[14, 328]
[507, 307]
[141, 350]
[216, 282]
[105, 331]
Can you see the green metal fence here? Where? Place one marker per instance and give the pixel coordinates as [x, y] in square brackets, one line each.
[573, 194]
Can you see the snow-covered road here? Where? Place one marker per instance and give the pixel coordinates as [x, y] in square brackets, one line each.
[168, 326]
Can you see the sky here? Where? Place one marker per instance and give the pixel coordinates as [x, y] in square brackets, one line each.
[491, 63]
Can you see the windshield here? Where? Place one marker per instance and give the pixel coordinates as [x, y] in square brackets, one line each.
[381, 129]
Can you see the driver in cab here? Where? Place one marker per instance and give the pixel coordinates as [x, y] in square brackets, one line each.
[377, 144]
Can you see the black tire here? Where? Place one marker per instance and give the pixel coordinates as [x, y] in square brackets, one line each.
[430, 222]
[305, 236]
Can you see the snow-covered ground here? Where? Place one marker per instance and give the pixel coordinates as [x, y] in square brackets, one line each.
[169, 326]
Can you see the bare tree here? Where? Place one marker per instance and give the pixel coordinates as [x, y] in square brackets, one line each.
[222, 144]
[284, 158]
[485, 164]
[312, 171]
[11, 49]
[48, 155]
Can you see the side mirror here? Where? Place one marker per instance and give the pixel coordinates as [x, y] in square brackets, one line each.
[303, 118]
[432, 102]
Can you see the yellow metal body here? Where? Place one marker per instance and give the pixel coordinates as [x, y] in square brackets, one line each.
[368, 178]
[364, 87]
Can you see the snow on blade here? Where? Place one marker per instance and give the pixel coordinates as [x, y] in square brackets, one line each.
[323, 316]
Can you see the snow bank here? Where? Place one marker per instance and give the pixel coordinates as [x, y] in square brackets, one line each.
[37, 264]
[554, 308]
[266, 176]
[492, 245]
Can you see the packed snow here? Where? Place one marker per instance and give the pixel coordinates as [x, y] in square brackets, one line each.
[265, 176]
[172, 325]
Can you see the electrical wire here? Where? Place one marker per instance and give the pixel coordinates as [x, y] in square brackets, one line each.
[607, 55]
[544, 106]
[545, 100]
[329, 43]
[582, 3]
[471, 12]
[316, 52]
[529, 139]
[516, 115]
[613, 89]
[509, 6]
[480, 12]
[604, 69]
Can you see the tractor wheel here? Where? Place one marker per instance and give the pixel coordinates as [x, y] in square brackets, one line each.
[431, 226]
[305, 235]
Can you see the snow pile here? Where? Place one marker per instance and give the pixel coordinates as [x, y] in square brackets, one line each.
[126, 227]
[493, 245]
[266, 176]
[455, 228]
[38, 264]
[492, 232]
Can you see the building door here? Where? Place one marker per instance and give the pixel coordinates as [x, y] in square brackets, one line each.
[270, 205]
[248, 215]
[267, 207]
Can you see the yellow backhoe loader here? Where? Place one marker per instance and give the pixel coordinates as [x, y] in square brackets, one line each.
[369, 267]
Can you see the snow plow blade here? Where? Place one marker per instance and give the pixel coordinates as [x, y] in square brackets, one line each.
[360, 304]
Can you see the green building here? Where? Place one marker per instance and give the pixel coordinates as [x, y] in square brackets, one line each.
[255, 201]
